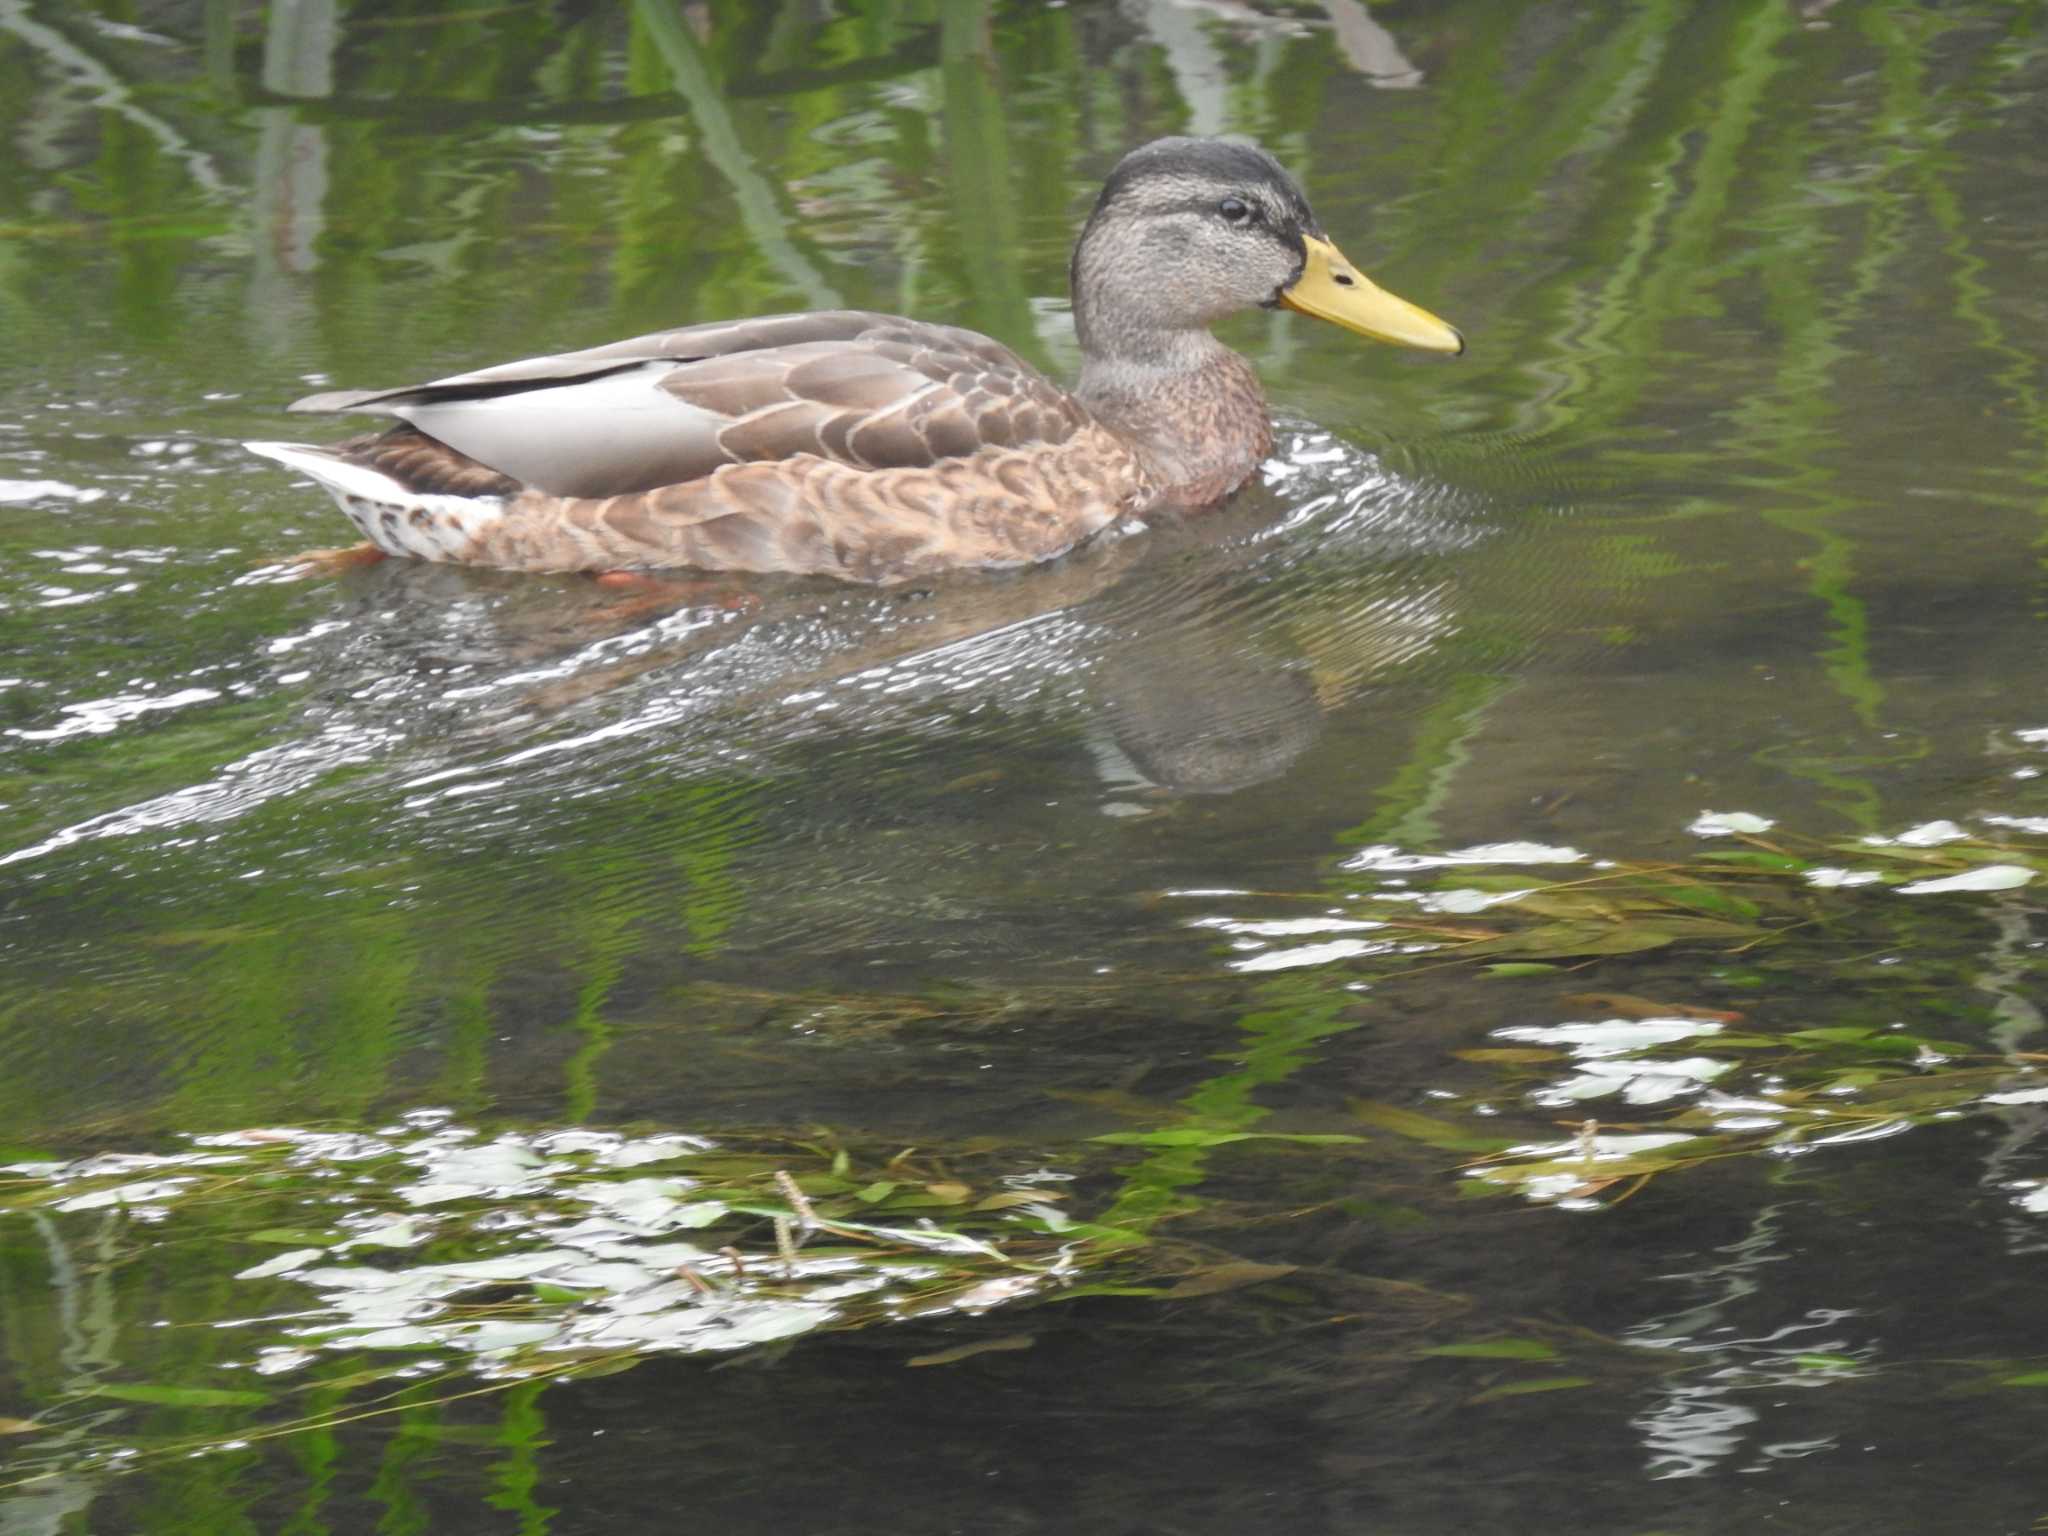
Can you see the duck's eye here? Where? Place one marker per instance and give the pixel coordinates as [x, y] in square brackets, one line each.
[1235, 210]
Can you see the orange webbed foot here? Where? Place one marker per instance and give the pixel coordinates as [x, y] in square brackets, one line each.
[333, 562]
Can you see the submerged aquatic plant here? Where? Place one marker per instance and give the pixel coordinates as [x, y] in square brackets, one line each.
[1671, 1084]
[429, 1251]
[526, 1253]
[431, 1256]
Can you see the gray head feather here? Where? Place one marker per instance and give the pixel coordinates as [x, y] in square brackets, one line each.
[1185, 232]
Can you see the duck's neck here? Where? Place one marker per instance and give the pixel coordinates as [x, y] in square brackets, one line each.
[1190, 407]
[1196, 417]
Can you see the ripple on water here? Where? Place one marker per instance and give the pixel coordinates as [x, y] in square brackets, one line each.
[821, 729]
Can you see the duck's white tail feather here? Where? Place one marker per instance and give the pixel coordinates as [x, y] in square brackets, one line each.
[395, 518]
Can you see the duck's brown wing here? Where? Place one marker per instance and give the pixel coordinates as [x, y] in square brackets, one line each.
[867, 390]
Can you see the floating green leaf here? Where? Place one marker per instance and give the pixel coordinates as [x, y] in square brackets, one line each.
[180, 1397]
[1077, 1292]
[1426, 1128]
[1009, 1342]
[1632, 936]
[1778, 863]
[1527, 1388]
[1706, 899]
[1010, 1199]
[1188, 1137]
[1495, 1349]
[1229, 1276]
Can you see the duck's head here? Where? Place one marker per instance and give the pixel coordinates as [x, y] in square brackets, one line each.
[1187, 231]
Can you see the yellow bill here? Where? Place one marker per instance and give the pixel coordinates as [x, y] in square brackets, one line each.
[1331, 289]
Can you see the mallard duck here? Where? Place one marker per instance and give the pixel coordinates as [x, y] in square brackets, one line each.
[865, 446]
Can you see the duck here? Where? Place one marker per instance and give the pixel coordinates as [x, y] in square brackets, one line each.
[864, 446]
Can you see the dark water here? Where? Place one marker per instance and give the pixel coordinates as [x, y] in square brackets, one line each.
[1736, 504]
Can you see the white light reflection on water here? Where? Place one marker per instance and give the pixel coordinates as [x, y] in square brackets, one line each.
[1700, 1419]
[1931, 834]
[2038, 825]
[1284, 927]
[1463, 901]
[1637, 1082]
[1603, 1066]
[1308, 954]
[25, 492]
[1249, 937]
[250, 781]
[1610, 1037]
[1983, 877]
[96, 717]
[1387, 857]
[1729, 824]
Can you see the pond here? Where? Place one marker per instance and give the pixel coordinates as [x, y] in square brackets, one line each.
[1492, 983]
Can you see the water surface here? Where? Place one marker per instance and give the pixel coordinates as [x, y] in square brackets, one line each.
[1734, 506]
